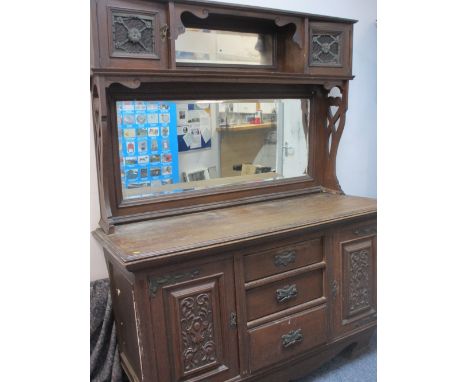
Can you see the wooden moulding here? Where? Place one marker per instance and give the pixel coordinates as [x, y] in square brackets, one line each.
[139, 243]
[114, 210]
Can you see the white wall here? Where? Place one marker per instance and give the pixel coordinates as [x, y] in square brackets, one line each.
[357, 156]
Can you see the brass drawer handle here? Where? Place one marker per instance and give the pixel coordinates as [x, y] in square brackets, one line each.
[285, 258]
[292, 338]
[286, 293]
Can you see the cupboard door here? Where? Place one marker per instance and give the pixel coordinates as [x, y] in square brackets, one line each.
[353, 285]
[330, 48]
[130, 34]
[199, 323]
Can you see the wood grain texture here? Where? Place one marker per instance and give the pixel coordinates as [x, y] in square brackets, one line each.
[284, 294]
[282, 259]
[243, 282]
[157, 76]
[174, 234]
[267, 343]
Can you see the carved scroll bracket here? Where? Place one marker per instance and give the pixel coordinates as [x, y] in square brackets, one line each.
[179, 28]
[203, 13]
[100, 127]
[159, 281]
[297, 36]
[133, 83]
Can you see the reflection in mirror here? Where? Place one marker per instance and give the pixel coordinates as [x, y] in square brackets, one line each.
[167, 147]
[208, 46]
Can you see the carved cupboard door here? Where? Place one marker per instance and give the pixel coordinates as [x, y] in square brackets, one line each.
[354, 281]
[194, 314]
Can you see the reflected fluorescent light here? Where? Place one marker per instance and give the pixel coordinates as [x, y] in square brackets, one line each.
[210, 101]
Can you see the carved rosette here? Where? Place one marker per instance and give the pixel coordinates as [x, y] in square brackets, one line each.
[198, 345]
[133, 33]
[359, 280]
[326, 49]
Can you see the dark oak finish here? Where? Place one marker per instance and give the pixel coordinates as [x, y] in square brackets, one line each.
[275, 296]
[354, 280]
[247, 282]
[283, 259]
[281, 340]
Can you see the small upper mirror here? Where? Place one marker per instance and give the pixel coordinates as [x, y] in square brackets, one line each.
[217, 47]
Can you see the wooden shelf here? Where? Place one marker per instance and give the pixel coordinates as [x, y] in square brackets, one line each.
[249, 126]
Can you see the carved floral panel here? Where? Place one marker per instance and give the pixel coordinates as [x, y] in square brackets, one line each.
[197, 332]
[359, 280]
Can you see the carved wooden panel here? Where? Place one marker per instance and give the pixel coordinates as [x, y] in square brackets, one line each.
[197, 323]
[325, 49]
[352, 289]
[198, 309]
[133, 34]
[357, 278]
[330, 48]
[197, 331]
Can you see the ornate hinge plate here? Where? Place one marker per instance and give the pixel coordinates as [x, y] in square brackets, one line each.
[334, 289]
[365, 231]
[164, 32]
[157, 281]
[233, 319]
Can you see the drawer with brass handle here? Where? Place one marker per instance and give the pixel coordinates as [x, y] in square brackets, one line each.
[264, 297]
[284, 258]
[285, 338]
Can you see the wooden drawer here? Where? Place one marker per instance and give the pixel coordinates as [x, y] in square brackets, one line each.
[271, 297]
[282, 259]
[286, 338]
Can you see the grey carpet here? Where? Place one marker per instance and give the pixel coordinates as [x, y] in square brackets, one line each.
[104, 363]
[340, 369]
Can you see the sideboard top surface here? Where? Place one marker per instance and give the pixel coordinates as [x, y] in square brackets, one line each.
[172, 235]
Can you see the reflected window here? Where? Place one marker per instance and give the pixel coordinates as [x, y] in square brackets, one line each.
[208, 46]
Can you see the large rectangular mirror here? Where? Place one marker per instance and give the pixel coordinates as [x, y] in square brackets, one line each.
[168, 147]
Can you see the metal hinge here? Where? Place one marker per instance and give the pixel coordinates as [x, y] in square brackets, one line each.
[164, 32]
[233, 319]
[334, 289]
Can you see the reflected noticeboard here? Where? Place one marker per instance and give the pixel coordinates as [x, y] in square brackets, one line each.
[148, 145]
[193, 126]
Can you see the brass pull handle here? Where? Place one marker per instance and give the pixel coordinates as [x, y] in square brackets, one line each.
[292, 338]
[285, 258]
[286, 293]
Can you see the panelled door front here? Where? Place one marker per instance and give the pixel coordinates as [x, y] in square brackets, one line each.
[354, 283]
[198, 305]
